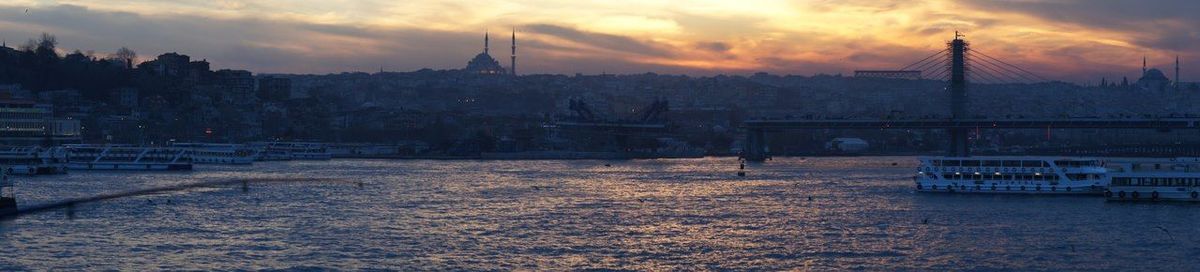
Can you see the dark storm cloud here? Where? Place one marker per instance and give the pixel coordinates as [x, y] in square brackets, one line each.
[1161, 24]
[601, 40]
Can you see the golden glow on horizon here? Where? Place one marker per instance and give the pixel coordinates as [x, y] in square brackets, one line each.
[720, 36]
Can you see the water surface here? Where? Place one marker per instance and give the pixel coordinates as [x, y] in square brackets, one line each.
[815, 213]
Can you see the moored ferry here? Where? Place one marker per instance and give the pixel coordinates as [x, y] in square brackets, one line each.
[33, 160]
[1011, 175]
[207, 153]
[274, 151]
[1176, 179]
[124, 157]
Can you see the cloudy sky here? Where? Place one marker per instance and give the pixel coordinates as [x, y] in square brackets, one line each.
[1072, 40]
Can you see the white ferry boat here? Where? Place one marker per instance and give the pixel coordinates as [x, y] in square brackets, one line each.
[1175, 179]
[207, 153]
[275, 151]
[1011, 175]
[269, 154]
[33, 160]
[122, 157]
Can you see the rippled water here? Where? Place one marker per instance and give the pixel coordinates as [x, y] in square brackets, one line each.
[553, 215]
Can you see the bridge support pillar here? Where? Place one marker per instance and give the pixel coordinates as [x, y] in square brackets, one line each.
[958, 94]
[958, 143]
[755, 148]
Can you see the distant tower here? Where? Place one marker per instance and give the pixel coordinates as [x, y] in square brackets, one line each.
[513, 61]
[485, 42]
[1177, 81]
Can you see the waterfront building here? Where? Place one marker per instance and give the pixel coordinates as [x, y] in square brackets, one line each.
[24, 122]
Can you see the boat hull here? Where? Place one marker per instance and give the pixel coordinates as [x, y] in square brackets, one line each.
[131, 166]
[1172, 194]
[223, 160]
[1011, 189]
[31, 170]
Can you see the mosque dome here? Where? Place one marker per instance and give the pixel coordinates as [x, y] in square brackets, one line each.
[1153, 79]
[1154, 74]
[484, 64]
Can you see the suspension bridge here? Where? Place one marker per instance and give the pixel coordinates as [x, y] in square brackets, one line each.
[958, 65]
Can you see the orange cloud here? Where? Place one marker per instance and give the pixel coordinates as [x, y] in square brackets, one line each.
[698, 37]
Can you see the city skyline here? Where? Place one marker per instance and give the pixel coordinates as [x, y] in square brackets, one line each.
[1064, 40]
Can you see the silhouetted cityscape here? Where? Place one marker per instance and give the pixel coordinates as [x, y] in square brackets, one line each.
[484, 108]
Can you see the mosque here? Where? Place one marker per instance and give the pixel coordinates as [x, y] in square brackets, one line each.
[1155, 80]
[484, 64]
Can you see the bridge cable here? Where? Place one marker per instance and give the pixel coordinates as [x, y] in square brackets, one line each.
[1006, 72]
[932, 65]
[999, 74]
[984, 75]
[923, 60]
[1025, 72]
[941, 73]
[1013, 66]
[935, 68]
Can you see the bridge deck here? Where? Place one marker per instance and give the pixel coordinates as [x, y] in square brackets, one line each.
[1131, 123]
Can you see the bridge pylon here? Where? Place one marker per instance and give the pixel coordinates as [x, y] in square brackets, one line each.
[959, 144]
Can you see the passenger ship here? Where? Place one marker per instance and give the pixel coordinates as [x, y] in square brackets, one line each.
[1175, 179]
[275, 151]
[207, 153]
[33, 160]
[1011, 175]
[124, 157]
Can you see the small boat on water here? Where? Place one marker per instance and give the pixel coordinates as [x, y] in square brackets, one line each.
[1176, 179]
[1011, 175]
[127, 157]
[33, 160]
[208, 153]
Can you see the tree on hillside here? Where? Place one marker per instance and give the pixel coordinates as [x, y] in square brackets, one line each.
[125, 56]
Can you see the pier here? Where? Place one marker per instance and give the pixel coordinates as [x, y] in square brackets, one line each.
[8, 202]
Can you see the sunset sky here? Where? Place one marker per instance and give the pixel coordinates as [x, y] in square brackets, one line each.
[1071, 40]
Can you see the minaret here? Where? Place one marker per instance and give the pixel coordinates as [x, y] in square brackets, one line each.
[1177, 73]
[485, 41]
[1143, 65]
[513, 61]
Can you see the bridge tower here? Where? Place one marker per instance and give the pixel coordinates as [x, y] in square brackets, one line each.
[958, 94]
